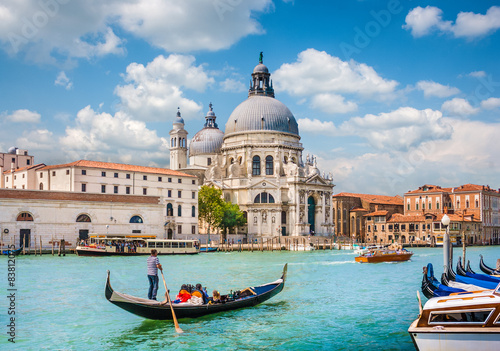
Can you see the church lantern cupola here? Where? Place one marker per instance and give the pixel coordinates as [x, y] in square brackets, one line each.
[261, 84]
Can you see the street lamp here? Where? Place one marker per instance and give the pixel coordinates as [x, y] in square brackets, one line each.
[446, 241]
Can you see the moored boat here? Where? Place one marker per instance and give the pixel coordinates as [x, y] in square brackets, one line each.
[161, 311]
[12, 252]
[463, 321]
[486, 269]
[134, 245]
[208, 249]
[384, 255]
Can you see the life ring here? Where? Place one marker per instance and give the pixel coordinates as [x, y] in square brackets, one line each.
[6, 231]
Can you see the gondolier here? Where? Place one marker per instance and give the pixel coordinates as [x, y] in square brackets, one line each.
[153, 265]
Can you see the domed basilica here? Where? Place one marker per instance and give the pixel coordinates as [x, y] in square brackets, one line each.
[258, 164]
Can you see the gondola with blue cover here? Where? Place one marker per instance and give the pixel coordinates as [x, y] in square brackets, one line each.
[461, 271]
[151, 309]
[484, 284]
[12, 252]
[431, 287]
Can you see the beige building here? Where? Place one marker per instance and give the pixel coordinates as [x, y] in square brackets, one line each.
[12, 160]
[258, 164]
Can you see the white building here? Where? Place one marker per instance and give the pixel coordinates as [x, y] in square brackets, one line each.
[258, 163]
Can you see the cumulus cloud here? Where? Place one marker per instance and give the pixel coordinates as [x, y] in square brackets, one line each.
[332, 103]
[477, 74]
[316, 126]
[63, 80]
[46, 30]
[422, 21]
[38, 139]
[156, 88]
[431, 88]
[23, 116]
[231, 85]
[491, 103]
[317, 72]
[459, 107]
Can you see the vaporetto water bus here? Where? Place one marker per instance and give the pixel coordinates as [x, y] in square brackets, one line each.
[133, 245]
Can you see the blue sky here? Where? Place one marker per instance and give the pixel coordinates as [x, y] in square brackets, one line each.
[389, 95]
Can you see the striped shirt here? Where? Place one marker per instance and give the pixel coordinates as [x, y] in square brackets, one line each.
[152, 262]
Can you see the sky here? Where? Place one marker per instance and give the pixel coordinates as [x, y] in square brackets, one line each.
[388, 95]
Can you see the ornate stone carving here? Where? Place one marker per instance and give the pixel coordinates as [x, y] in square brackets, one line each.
[302, 196]
[264, 216]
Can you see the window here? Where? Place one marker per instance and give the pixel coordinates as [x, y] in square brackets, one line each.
[159, 179]
[472, 317]
[403, 227]
[179, 194]
[416, 206]
[193, 211]
[144, 191]
[84, 188]
[136, 219]
[390, 227]
[115, 189]
[477, 202]
[41, 176]
[209, 161]
[369, 228]
[179, 229]
[383, 227]
[170, 210]
[83, 218]
[437, 205]
[169, 193]
[24, 217]
[127, 175]
[264, 198]
[84, 172]
[283, 217]
[28, 162]
[127, 190]
[269, 165]
[256, 165]
[193, 195]
[408, 206]
[430, 206]
[144, 177]
[179, 180]
[416, 226]
[466, 203]
[103, 188]
[67, 172]
[53, 173]
[179, 211]
[193, 229]
[116, 175]
[40, 186]
[170, 180]
[103, 174]
[193, 182]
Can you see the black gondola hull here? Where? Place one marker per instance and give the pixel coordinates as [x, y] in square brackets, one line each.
[160, 311]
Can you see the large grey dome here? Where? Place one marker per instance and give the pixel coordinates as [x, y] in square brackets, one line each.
[206, 141]
[261, 113]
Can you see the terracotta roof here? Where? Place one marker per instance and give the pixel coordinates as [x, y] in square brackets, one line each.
[473, 187]
[377, 199]
[359, 209]
[437, 189]
[377, 213]
[429, 189]
[119, 167]
[400, 218]
[24, 168]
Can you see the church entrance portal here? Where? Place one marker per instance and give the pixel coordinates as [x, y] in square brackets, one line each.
[311, 210]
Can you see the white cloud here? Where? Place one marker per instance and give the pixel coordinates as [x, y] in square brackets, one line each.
[156, 89]
[477, 74]
[431, 88]
[24, 116]
[47, 31]
[63, 80]
[459, 107]
[317, 72]
[423, 21]
[491, 103]
[230, 85]
[316, 126]
[401, 129]
[39, 139]
[332, 103]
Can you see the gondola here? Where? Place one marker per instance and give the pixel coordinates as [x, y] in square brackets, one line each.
[487, 269]
[468, 269]
[431, 286]
[161, 311]
[208, 249]
[483, 284]
[461, 271]
[12, 252]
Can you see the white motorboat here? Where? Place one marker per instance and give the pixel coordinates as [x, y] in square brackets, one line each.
[462, 321]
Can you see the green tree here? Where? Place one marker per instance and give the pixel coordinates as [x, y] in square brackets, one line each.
[210, 207]
[232, 217]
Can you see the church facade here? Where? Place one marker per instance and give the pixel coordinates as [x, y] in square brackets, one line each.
[259, 165]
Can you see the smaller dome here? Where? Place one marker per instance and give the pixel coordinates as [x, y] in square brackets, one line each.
[12, 150]
[206, 141]
[260, 68]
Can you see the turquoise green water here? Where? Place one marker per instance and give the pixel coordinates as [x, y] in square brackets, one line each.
[329, 302]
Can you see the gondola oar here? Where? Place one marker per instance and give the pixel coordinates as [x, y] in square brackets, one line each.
[177, 328]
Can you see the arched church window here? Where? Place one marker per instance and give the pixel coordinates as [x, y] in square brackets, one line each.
[269, 165]
[256, 165]
[24, 217]
[83, 218]
[170, 210]
[136, 219]
[41, 186]
[264, 198]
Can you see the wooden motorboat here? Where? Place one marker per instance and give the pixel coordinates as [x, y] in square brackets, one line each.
[384, 255]
[161, 311]
[462, 321]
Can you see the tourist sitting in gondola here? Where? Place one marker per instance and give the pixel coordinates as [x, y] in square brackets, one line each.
[184, 294]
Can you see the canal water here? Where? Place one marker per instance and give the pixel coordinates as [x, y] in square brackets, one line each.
[329, 302]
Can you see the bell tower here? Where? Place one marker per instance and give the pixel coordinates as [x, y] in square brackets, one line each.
[178, 144]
